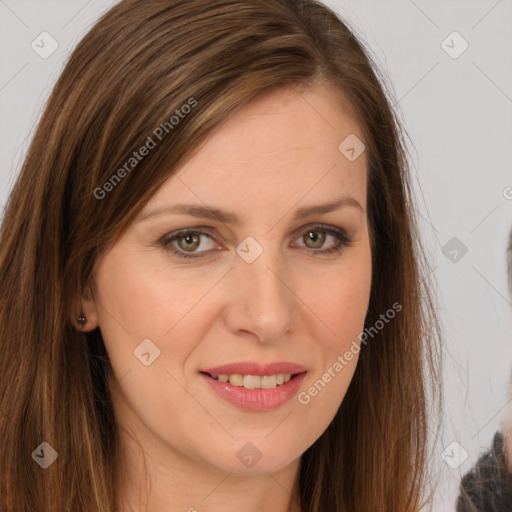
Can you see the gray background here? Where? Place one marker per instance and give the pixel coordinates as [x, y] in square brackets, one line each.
[458, 114]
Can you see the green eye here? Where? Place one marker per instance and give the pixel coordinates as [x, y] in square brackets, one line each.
[317, 241]
[190, 241]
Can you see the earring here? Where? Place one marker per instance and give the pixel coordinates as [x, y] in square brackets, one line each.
[81, 319]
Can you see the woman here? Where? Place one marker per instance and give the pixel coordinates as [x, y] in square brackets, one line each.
[214, 296]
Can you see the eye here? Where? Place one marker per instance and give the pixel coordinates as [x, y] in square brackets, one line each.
[315, 239]
[184, 244]
[187, 243]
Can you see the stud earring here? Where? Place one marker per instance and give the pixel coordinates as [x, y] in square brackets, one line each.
[81, 319]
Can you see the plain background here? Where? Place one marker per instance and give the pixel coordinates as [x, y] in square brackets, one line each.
[458, 114]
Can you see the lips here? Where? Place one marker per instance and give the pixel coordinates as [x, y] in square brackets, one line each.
[255, 387]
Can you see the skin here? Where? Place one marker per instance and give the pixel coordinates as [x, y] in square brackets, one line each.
[179, 439]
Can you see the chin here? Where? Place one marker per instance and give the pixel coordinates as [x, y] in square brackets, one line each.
[253, 458]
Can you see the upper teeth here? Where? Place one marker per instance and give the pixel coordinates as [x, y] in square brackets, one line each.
[255, 381]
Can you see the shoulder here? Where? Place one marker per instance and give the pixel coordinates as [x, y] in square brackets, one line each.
[487, 487]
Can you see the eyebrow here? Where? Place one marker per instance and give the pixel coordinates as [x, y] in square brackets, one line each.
[207, 212]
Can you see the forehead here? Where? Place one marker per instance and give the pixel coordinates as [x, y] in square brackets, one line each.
[280, 147]
[283, 125]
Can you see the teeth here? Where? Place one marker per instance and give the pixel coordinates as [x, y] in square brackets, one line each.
[252, 381]
[268, 381]
[236, 379]
[255, 381]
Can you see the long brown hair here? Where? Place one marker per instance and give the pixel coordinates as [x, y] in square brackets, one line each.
[139, 63]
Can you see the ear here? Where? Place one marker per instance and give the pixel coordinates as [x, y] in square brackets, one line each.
[86, 306]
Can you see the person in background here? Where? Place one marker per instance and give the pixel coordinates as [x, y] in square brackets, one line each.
[487, 487]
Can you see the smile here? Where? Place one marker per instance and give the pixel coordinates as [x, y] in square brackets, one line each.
[255, 387]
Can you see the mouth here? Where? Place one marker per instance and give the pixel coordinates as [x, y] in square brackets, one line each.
[255, 387]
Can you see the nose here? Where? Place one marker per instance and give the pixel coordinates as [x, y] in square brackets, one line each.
[262, 300]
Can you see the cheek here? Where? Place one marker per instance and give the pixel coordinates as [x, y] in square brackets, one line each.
[338, 311]
[139, 302]
[341, 300]
[143, 298]
[337, 348]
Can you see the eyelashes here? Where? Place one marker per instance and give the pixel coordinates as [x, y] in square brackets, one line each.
[188, 235]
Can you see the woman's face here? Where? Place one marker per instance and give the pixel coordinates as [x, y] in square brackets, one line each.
[259, 291]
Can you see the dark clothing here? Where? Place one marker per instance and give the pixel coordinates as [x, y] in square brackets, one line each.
[487, 487]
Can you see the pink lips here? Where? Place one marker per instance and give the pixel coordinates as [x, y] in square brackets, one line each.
[255, 399]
